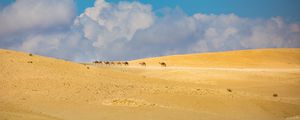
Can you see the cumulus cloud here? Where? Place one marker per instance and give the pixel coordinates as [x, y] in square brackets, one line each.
[104, 23]
[131, 30]
[230, 32]
[179, 33]
[24, 15]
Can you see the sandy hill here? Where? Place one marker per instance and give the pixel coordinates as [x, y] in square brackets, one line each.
[260, 58]
[34, 87]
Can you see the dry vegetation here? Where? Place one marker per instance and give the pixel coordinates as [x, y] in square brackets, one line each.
[240, 85]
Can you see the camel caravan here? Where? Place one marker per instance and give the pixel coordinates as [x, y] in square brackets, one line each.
[111, 63]
[125, 63]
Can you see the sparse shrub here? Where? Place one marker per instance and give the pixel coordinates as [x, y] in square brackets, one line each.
[229, 90]
[87, 67]
[275, 95]
[29, 62]
[30, 54]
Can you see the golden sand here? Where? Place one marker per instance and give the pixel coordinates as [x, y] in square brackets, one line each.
[261, 84]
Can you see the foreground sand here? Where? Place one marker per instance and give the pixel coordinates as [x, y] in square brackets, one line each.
[191, 87]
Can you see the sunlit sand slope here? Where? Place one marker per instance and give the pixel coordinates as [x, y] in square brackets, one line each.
[225, 86]
[269, 58]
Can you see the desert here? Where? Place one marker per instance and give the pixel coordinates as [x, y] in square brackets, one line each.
[258, 84]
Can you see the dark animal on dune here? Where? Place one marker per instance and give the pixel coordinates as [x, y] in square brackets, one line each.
[142, 64]
[106, 63]
[163, 64]
[126, 63]
[96, 62]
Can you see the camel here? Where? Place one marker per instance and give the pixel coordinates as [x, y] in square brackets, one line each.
[98, 62]
[106, 63]
[163, 64]
[142, 64]
[126, 63]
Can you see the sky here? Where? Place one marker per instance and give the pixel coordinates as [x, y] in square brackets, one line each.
[86, 30]
[243, 8]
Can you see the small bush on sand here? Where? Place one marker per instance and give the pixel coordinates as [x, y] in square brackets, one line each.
[29, 61]
[87, 67]
[30, 54]
[275, 95]
[229, 90]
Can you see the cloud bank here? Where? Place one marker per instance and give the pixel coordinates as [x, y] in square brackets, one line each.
[131, 30]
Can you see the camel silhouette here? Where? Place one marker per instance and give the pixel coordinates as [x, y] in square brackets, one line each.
[126, 63]
[163, 64]
[142, 64]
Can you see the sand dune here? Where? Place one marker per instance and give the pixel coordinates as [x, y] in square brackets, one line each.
[236, 85]
[260, 58]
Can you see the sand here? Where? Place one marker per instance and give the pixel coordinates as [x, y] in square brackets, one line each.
[234, 85]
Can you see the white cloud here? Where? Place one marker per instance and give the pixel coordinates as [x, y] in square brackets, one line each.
[230, 32]
[131, 30]
[41, 43]
[105, 23]
[24, 15]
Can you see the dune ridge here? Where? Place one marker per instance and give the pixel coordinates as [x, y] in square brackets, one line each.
[268, 58]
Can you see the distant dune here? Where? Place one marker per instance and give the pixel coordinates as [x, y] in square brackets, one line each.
[261, 84]
[275, 58]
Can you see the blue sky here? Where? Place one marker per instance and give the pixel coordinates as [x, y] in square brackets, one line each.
[289, 9]
[244, 8]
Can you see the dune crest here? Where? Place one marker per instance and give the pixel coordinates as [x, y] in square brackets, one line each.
[260, 58]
